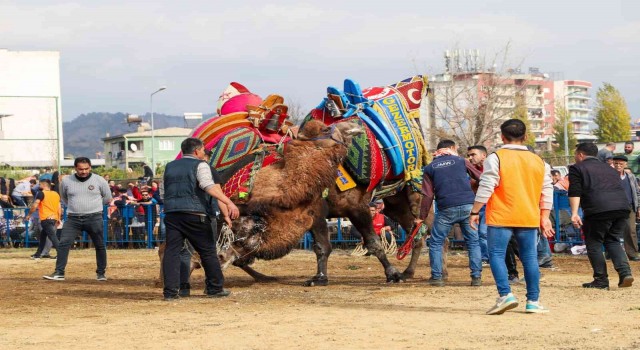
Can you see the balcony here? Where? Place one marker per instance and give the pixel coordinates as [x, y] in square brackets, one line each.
[583, 107]
[581, 120]
[135, 155]
[579, 95]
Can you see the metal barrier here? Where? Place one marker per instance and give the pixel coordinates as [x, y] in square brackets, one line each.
[561, 219]
[123, 227]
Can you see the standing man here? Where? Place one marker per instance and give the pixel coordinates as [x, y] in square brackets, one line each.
[598, 190]
[606, 152]
[190, 214]
[447, 179]
[516, 188]
[632, 191]
[477, 154]
[85, 194]
[47, 203]
[632, 158]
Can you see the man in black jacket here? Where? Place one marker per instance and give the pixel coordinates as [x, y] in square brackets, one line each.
[596, 187]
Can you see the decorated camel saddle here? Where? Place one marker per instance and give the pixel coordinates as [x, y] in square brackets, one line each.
[392, 147]
[244, 136]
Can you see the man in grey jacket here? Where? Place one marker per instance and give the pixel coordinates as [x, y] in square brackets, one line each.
[633, 195]
[84, 194]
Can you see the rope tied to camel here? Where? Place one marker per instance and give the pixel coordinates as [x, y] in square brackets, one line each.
[416, 234]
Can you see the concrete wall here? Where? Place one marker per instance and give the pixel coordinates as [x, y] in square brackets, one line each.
[30, 93]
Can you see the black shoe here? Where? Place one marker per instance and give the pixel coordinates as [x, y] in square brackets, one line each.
[547, 265]
[634, 258]
[221, 294]
[35, 257]
[47, 256]
[436, 282]
[595, 285]
[625, 281]
[476, 281]
[171, 298]
[185, 290]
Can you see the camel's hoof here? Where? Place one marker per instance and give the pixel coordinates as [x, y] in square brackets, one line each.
[316, 282]
[395, 277]
[408, 274]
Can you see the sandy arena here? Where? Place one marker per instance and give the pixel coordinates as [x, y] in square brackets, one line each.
[357, 310]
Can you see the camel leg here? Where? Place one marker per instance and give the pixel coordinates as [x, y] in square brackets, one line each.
[404, 208]
[257, 276]
[322, 248]
[361, 219]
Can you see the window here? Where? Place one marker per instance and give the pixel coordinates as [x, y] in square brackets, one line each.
[166, 145]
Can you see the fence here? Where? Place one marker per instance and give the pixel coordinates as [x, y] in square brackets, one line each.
[140, 226]
[129, 226]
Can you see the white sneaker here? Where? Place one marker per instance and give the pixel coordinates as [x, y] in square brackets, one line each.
[503, 304]
[534, 307]
[54, 277]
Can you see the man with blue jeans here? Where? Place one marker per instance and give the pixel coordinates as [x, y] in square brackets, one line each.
[476, 155]
[447, 179]
[515, 181]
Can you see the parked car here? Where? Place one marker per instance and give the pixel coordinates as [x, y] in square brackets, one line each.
[562, 169]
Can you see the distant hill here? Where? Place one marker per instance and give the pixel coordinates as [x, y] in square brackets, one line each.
[83, 135]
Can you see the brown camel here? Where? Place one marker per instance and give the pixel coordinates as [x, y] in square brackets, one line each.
[288, 197]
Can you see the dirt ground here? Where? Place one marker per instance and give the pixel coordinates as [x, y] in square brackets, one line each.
[357, 310]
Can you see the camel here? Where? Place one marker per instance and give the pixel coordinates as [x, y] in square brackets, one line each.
[288, 197]
[402, 206]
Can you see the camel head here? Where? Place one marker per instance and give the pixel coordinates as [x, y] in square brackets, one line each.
[328, 136]
[248, 232]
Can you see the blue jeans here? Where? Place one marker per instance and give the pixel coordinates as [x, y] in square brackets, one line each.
[543, 249]
[482, 235]
[527, 238]
[445, 219]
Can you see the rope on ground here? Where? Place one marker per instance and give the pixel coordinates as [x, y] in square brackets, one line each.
[359, 250]
[389, 246]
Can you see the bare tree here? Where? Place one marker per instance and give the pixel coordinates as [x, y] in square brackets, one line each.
[469, 105]
[296, 111]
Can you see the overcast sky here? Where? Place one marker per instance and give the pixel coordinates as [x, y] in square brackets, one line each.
[114, 54]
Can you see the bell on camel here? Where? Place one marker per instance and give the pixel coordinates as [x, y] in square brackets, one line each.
[334, 111]
[273, 124]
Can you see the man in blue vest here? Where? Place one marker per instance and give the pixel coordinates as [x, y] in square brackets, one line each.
[190, 205]
[447, 178]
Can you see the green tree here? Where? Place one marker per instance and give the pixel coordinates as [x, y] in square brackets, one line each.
[562, 116]
[521, 112]
[612, 115]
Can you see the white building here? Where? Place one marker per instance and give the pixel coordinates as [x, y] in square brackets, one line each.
[30, 108]
[575, 97]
